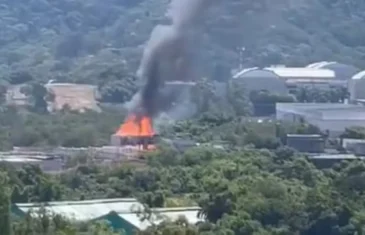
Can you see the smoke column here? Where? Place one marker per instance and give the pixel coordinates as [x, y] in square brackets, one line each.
[166, 43]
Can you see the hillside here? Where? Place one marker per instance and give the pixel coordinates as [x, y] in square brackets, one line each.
[100, 42]
[242, 172]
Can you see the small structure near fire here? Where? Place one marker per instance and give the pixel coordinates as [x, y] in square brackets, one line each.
[135, 132]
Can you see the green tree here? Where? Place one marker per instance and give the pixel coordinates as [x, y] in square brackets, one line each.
[5, 223]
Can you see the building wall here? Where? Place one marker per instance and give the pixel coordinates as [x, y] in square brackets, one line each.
[356, 89]
[76, 96]
[336, 127]
[306, 144]
[345, 118]
[14, 96]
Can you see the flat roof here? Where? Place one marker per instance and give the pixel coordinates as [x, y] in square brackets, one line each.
[336, 157]
[69, 84]
[302, 72]
[21, 159]
[83, 210]
[13, 156]
[307, 74]
[162, 214]
[315, 81]
[180, 83]
[320, 64]
[327, 111]
[303, 135]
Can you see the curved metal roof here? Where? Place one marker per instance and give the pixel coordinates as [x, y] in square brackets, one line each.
[244, 71]
[342, 71]
[358, 76]
[286, 72]
[256, 72]
[319, 65]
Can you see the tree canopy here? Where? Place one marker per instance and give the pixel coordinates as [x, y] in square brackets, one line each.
[242, 175]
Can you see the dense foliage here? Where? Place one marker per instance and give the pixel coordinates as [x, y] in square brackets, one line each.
[65, 128]
[101, 42]
[240, 192]
[256, 186]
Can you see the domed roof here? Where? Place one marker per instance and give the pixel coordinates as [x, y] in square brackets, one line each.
[255, 72]
[256, 79]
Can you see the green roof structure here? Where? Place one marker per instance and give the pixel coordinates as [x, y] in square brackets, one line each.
[130, 222]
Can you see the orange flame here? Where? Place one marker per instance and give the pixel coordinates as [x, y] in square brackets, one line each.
[136, 128]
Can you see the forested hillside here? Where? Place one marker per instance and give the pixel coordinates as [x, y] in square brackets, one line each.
[252, 185]
[101, 42]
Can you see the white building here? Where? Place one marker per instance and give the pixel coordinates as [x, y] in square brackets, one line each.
[307, 77]
[356, 86]
[343, 72]
[281, 79]
[332, 117]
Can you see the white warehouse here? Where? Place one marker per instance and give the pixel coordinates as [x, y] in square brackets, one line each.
[342, 71]
[280, 79]
[332, 117]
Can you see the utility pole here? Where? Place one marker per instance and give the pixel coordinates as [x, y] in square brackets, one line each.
[241, 51]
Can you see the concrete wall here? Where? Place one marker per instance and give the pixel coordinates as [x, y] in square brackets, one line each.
[356, 88]
[14, 96]
[75, 96]
[335, 126]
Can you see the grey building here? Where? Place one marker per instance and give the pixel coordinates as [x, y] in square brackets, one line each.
[256, 79]
[306, 143]
[328, 160]
[45, 163]
[332, 117]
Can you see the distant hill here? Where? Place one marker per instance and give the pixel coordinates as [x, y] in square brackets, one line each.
[100, 42]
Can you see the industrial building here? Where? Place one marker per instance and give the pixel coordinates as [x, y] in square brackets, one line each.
[342, 71]
[328, 160]
[355, 146]
[121, 213]
[356, 86]
[47, 163]
[79, 211]
[130, 222]
[255, 79]
[281, 79]
[332, 117]
[306, 143]
[308, 77]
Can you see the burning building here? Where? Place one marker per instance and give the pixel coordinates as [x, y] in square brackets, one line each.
[165, 55]
[135, 132]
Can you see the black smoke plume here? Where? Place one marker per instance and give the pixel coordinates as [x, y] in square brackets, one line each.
[167, 45]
